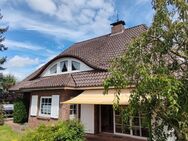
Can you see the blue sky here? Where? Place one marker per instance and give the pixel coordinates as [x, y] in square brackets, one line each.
[41, 29]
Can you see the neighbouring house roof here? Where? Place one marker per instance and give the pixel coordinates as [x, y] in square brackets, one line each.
[96, 53]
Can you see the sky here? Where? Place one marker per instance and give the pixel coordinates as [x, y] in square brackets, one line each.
[41, 29]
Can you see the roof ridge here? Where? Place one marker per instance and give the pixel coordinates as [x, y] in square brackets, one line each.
[136, 26]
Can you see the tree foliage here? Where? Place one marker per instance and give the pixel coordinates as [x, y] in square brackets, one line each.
[7, 81]
[2, 60]
[2, 46]
[156, 64]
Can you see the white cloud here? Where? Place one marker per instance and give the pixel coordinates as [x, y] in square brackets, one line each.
[18, 75]
[20, 62]
[46, 6]
[15, 44]
[20, 66]
[73, 20]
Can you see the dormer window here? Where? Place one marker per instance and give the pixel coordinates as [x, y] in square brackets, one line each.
[75, 65]
[64, 66]
[53, 69]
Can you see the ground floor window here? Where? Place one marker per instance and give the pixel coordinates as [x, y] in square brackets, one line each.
[137, 126]
[45, 106]
[73, 111]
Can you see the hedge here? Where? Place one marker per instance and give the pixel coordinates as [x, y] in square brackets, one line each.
[63, 131]
[20, 113]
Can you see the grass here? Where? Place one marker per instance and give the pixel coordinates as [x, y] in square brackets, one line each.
[7, 134]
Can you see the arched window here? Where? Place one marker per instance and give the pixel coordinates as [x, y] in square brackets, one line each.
[65, 65]
[75, 65]
[53, 69]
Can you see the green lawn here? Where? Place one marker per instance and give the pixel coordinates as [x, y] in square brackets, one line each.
[6, 134]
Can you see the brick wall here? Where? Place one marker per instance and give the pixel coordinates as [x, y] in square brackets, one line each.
[117, 29]
[63, 108]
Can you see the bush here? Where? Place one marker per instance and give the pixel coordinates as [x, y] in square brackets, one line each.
[20, 113]
[62, 131]
[1, 114]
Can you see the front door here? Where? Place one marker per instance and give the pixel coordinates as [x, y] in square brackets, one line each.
[106, 118]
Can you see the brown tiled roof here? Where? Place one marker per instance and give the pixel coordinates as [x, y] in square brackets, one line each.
[96, 53]
[76, 80]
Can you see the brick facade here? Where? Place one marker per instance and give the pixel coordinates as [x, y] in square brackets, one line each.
[63, 108]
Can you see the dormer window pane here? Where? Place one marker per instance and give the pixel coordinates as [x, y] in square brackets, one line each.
[75, 65]
[53, 69]
[64, 66]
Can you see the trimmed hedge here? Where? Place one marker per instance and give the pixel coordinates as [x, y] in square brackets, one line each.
[20, 113]
[63, 131]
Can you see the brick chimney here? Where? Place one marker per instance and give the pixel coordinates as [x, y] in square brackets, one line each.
[117, 27]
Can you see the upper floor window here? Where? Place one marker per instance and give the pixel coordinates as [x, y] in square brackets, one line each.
[53, 69]
[75, 65]
[64, 66]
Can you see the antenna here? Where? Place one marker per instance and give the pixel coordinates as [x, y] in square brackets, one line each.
[117, 17]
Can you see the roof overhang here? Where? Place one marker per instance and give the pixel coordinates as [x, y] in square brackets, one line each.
[66, 88]
[97, 97]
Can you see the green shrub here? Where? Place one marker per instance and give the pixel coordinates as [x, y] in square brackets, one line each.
[62, 131]
[20, 113]
[1, 114]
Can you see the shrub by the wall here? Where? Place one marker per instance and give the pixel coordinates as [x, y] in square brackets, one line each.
[62, 131]
[1, 114]
[20, 113]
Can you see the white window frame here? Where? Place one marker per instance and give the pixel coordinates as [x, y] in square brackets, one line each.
[72, 64]
[73, 116]
[44, 115]
[83, 67]
[55, 65]
[131, 130]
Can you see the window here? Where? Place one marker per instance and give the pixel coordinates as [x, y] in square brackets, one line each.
[73, 111]
[137, 126]
[53, 69]
[45, 106]
[75, 66]
[64, 66]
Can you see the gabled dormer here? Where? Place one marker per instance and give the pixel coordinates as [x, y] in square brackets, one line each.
[65, 65]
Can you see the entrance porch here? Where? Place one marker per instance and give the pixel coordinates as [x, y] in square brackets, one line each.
[98, 117]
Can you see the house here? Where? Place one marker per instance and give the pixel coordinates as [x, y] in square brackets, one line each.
[71, 85]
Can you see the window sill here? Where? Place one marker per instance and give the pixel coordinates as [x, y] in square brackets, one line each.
[43, 118]
[46, 118]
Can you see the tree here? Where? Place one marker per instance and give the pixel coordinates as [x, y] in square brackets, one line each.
[2, 46]
[2, 60]
[8, 81]
[156, 64]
